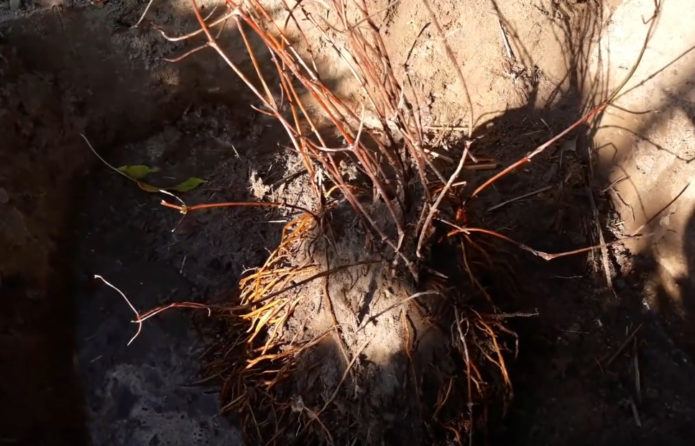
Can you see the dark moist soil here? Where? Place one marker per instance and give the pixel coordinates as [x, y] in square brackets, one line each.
[150, 389]
[67, 376]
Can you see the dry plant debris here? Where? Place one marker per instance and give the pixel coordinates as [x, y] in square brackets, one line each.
[371, 322]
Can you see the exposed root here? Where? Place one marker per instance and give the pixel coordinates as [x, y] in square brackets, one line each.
[307, 387]
[411, 347]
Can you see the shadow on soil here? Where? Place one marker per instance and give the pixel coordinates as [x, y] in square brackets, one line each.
[581, 376]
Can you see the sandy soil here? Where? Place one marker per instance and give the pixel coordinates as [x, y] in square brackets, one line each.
[532, 68]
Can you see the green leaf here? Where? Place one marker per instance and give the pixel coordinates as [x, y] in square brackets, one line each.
[184, 186]
[187, 185]
[147, 187]
[137, 171]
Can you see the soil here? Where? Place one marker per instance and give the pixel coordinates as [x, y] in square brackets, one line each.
[596, 365]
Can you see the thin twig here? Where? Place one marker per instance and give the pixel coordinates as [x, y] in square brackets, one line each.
[140, 318]
[538, 150]
[615, 95]
[451, 128]
[508, 48]
[109, 165]
[453, 60]
[196, 32]
[398, 304]
[604, 250]
[186, 54]
[502, 316]
[140, 184]
[623, 345]
[635, 414]
[467, 360]
[610, 186]
[303, 282]
[144, 13]
[666, 206]
[442, 194]
[137, 315]
[520, 197]
[156, 311]
[543, 255]
[184, 209]
[345, 374]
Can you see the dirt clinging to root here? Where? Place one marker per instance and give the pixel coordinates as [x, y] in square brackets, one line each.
[345, 348]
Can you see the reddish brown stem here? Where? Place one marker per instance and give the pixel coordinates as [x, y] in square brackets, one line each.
[157, 310]
[543, 255]
[186, 209]
[539, 149]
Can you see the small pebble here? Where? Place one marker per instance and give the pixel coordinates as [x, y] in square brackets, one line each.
[14, 4]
